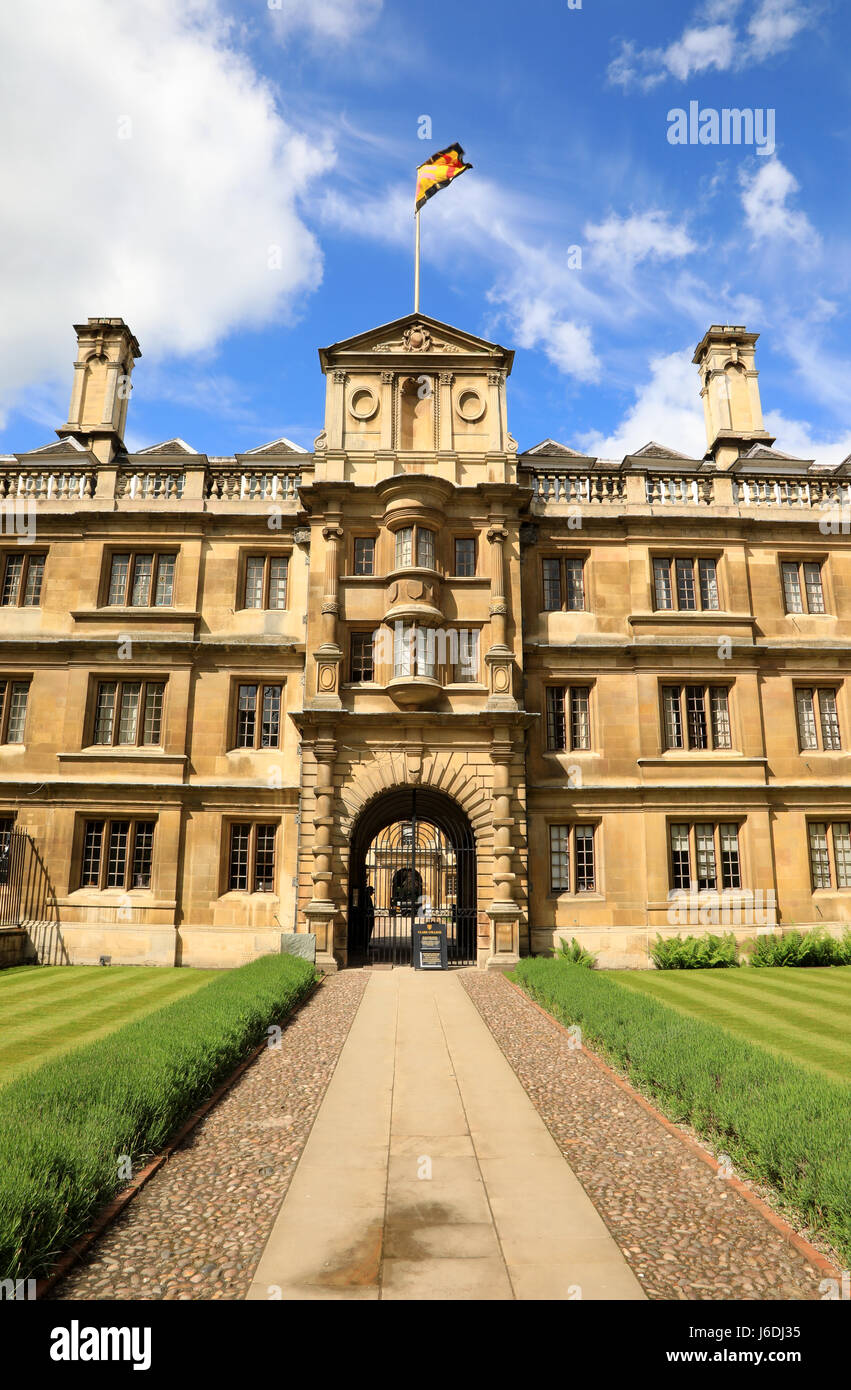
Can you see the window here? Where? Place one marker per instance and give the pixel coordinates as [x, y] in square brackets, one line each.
[465, 556]
[584, 877]
[413, 650]
[117, 854]
[414, 541]
[364, 555]
[141, 580]
[802, 586]
[362, 661]
[7, 825]
[251, 858]
[687, 585]
[830, 853]
[23, 574]
[128, 713]
[465, 665]
[704, 851]
[265, 581]
[13, 710]
[696, 716]
[564, 584]
[258, 716]
[568, 721]
[818, 722]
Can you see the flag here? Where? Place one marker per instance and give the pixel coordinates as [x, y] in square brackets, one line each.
[438, 171]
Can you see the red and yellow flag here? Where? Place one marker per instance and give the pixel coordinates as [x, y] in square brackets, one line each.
[438, 171]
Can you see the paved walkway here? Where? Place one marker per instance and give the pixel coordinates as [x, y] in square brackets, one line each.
[421, 1088]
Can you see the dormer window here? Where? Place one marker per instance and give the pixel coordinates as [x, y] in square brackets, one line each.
[414, 541]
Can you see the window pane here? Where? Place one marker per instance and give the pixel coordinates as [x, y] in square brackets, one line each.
[92, 845]
[246, 716]
[143, 848]
[720, 714]
[364, 555]
[152, 731]
[118, 579]
[426, 651]
[812, 581]
[466, 668]
[580, 732]
[708, 584]
[271, 727]
[574, 584]
[35, 578]
[11, 580]
[662, 584]
[819, 860]
[730, 869]
[238, 862]
[696, 716]
[116, 855]
[686, 598]
[425, 548]
[704, 844]
[555, 717]
[465, 556]
[128, 719]
[140, 595]
[807, 737]
[559, 859]
[792, 588]
[278, 581]
[362, 660]
[404, 547]
[842, 853]
[105, 712]
[403, 642]
[829, 719]
[264, 860]
[671, 703]
[680, 856]
[17, 712]
[164, 597]
[552, 585]
[583, 840]
[254, 567]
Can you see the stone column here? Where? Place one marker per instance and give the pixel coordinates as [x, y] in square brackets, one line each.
[503, 911]
[444, 412]
[336, 412]
[328, 654]
[386, 407]
[499, 657]
[495, 410]
[321, 910]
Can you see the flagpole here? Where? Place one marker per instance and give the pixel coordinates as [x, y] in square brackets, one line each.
[417, 265]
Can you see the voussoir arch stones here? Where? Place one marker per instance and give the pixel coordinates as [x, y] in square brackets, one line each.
[448, 773]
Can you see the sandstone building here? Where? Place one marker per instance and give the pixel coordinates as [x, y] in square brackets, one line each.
[416, 672]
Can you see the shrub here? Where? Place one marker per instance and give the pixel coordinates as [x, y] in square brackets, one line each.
[781, 1124]
[695, 952]
[815, 947]
[574, 953]
[65, 1126]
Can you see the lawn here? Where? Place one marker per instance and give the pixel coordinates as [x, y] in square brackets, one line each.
[800, 1013]
[47, 1010]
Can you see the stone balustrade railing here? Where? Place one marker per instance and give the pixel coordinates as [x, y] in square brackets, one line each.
[159, 486]
[237, 485]
[675, 491]
[578, 488]
[792, 492]
[46, 485]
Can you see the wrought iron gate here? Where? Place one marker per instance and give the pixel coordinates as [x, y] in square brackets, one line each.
[413, 871]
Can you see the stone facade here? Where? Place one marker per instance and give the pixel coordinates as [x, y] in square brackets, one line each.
[212, 667]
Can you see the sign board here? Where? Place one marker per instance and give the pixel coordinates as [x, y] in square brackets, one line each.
[430, 946]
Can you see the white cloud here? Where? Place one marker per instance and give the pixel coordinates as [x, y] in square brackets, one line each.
[722, 46]
[146, 173]
[667, 408]
[337, 20]
[798, 437]
[765, 197]
[622, 242]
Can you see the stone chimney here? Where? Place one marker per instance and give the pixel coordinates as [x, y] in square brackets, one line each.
[106, 351]
[725, 358]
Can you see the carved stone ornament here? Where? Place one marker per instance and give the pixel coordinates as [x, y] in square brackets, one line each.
[417, 338]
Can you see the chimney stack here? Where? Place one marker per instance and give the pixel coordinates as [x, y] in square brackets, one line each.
[725, 358]
[106, 351]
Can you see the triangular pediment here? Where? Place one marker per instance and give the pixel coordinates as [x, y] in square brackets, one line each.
[416, 335]
[762, 454]
[170, 447]
[662, 451]
[70, 447]
[277, 446]
[550, 448]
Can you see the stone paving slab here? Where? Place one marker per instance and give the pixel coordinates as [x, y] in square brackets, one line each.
[197, 1228]
[468, 1178]
[685, 1233]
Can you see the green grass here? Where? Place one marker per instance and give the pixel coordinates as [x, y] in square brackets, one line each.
[798, 1012]
[784, 1124]
[68, 1127]
[47, 1010]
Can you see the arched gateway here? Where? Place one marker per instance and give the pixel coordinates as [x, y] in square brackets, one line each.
[412, 857]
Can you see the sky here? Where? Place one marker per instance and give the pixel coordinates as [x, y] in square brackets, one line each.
[235, 179]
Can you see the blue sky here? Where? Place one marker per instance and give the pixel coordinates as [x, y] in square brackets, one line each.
[235, 179]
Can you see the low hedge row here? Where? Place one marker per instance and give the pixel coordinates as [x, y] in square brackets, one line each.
[66, 1127]
[781, 1125]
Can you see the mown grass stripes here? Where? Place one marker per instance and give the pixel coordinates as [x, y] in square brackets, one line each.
[783, 1124]
[65, 1126]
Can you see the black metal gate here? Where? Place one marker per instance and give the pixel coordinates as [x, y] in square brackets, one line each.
[411, 871]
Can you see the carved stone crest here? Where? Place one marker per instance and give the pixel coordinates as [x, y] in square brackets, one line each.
[417, 338]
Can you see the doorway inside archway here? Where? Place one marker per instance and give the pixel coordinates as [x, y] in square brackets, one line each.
[412, 859]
